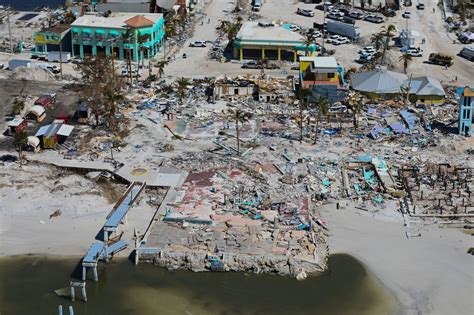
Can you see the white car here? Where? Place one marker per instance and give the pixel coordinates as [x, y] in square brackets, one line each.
[368, 50]
[335, 16]
[374, 18]
[406, 14]
[334, 38]
[318, 34]
[198, 43]
[414, 52]
[305, 12]
[342, 40]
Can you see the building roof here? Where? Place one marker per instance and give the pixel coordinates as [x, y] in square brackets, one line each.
[424, 86]
[139, 21]
[38, 110]
[379, 82]
[15, 122]
[252, 33]
[33, 141]
[467, 91]
[166, 4]
[116, 20]
[54, 129]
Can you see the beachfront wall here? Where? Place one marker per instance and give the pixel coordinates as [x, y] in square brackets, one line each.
[90, 40]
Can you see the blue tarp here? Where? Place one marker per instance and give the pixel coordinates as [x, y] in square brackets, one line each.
[409, 118]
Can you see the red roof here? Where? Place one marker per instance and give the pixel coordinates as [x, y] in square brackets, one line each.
[139, 21]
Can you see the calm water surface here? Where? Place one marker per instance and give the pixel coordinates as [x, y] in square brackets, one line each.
[27, 284]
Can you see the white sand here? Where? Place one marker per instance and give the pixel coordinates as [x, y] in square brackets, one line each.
[431, 274]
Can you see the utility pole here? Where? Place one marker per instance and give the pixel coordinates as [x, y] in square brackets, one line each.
[324, 22]
[9, 30]
[61, 56]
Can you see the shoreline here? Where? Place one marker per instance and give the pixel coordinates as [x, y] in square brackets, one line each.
[427, 274]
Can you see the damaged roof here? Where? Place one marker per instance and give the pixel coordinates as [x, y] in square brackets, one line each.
[379, 82]
[425, 86]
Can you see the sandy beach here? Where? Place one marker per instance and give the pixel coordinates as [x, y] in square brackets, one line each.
[430, 274]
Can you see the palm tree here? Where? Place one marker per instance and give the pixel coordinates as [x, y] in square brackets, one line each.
[141, 40]
[182, 87]
[127, 38]
[406, 58]
[230, 28]
[387, 34]
[239, 116]
[355, 101]
[377, 40]
[20, 140]
[309, 39]
[18, 106]
[112, 97]
[303, 96]
[161, 67]
[320, 105]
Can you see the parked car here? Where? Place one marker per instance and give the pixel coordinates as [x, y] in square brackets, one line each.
[251, 65]
[374, 18]
[390, 13]
[356, 15]
[467, 52]
[334, 16]
[420, 6]
[364, 59]
[367, 50]
[198, 43]
[333, 38]
[318, 34]
[341, 40]
[406, 14]
[305, 12]
[414, 52]
[441, 59]
[328, 6]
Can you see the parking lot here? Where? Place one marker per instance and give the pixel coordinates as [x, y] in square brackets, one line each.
[436, 38]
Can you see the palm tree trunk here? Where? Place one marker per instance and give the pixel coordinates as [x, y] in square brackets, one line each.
[238, 136]
[317, 127]
[20, 155]
[149, 67]
[301, 124]
[130, 65]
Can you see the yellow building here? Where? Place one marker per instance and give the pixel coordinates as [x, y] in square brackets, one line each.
[425, 90]
[320, 71]
[256, 41]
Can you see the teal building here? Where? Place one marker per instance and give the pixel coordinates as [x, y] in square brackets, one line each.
[141, 35]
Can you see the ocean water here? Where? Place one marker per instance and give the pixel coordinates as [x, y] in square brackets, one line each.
[27, 284]
[28, 5]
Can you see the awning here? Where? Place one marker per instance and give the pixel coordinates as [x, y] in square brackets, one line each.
[38, 110]
[100, 32]
[115, 33]
[65, 130]
[42, 131]
[33, 141]
[87, 31]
